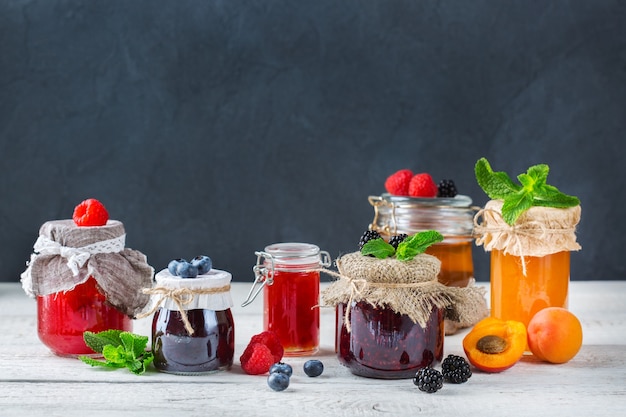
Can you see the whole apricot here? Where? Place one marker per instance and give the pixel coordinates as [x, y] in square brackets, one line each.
[554, 335]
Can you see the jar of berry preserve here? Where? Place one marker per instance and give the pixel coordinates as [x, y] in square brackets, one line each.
[193, 331]
[450, 216]
[390, 313]
[289, 275]
[84, 279]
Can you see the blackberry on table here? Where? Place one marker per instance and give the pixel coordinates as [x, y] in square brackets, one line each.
[446, 188]
[455, 369]
[395, 240]
[428, 380]
[367, 236]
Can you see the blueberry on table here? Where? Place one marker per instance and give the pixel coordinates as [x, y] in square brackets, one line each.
[278, 381]
[283, 368]
[313, 368]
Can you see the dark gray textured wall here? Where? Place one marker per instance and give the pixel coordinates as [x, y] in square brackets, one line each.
[218, 127]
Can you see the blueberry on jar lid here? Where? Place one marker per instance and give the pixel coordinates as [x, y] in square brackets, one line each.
[186, 270]
[203, 263]
[173, 265]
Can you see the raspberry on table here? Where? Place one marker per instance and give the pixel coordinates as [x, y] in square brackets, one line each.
[271, 340]
[256, 359]
[398, 183]
[422, 185]
[90, 212]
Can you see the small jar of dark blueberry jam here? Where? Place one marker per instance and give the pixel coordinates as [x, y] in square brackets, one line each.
[388, 345]
[193, 331]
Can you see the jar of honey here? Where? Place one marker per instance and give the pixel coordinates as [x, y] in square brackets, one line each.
[289, 275]
[193, 331]
[530, 260]
[84, 279]
[452, 217]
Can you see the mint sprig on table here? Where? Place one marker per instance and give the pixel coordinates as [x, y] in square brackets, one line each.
[408, 249]
[517, 198]
[120, 350]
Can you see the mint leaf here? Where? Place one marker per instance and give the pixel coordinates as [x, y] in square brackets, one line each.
[417, 244]
[378, 248]
[514, 205]
[97, 341]
[534, 190]
[497, 185]
[124, 350]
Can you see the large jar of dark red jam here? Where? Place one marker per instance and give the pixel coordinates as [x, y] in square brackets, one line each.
[452, 217]
[193, 332]
[389, 314]
[388, 345]
[289, 274]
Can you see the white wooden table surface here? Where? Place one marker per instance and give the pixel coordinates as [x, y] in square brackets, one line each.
[34, 382]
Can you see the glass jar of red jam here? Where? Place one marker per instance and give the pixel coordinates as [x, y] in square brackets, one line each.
[452, 217]
[385, 344]
[63, 317]
[205, 300]
[84, 279]
[290, 276]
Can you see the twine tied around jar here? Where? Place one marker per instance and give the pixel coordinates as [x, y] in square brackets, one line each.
[358, 286]
[539, 231]
[406, 287]
[181, 297]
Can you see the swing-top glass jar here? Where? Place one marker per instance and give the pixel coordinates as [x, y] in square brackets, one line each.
[193, 331]
[452, 217]
[289, 274]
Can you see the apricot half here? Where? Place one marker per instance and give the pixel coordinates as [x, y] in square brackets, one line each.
[495, 345]
[554, 335]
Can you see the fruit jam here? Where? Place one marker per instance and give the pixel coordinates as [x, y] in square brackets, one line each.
[209, 349]
[290, 310]
[515, 296]
[62, 318]
[457, 267]
[385, 344]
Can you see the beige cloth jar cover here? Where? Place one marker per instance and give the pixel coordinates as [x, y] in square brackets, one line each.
[66, 255]
[406, 287]
[539, 231]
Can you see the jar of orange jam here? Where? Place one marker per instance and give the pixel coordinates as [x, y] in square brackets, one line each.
[289, 275]
[452, 217]
[530, 261]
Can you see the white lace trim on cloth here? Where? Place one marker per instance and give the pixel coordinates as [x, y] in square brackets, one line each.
[76, 257]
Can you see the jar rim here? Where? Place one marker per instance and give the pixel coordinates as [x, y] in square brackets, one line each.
[458, 201]
[292, 250]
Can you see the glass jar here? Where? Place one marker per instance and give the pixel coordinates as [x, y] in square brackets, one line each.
[516, 295]
[84, 279]
[63, 317]
[196, 334]
[384, 344]
[289, 274]
[530, 261]
[452, 217]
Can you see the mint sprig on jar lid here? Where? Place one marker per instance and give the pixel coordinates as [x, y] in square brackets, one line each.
[403, 249]
[532, 190]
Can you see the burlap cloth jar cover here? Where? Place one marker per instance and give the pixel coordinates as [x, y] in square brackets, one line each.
[66, 255]
[406, 287]
[539, 231]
